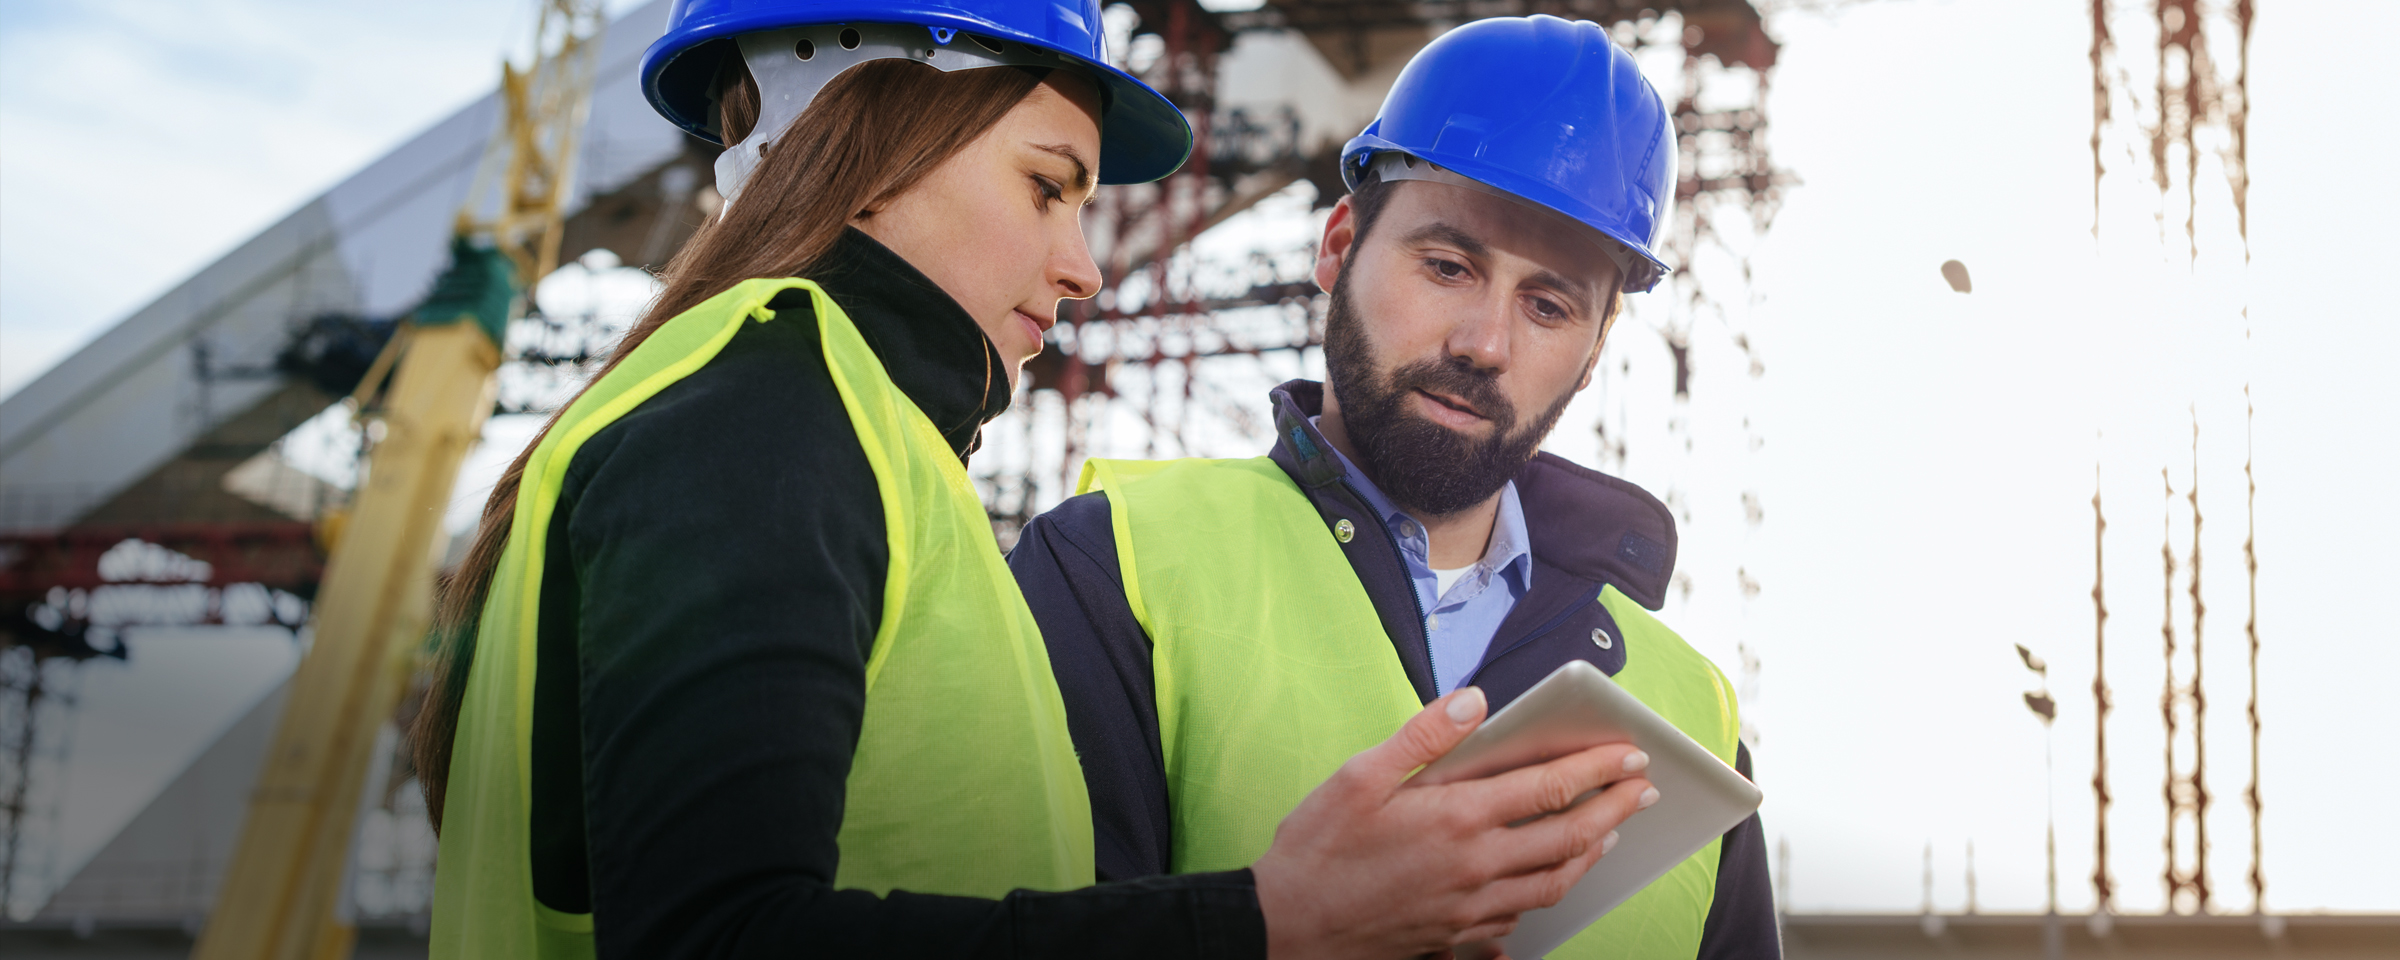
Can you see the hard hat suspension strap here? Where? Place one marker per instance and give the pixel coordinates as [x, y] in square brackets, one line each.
[791, 66]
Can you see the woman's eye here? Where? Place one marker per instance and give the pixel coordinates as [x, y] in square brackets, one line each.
[1050, 190]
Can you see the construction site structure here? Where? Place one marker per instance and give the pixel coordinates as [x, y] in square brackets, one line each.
[2192, 109]
[275, 332]
[168, 432]
[2081, 936]
[1204, 308]
[281, 896]
[1175, 356]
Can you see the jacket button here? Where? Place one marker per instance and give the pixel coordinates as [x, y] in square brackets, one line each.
[1343, 530]
[1601, 639]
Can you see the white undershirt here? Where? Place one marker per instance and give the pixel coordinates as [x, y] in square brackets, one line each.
[1443, 579]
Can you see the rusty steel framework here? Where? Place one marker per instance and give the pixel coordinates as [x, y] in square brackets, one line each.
[70, 594]
[1161, 352]
[2185, 699]
[2103, 886]
[2188, 111]
[30, 689]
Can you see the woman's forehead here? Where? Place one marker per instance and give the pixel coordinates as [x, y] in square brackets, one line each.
[1067, 90]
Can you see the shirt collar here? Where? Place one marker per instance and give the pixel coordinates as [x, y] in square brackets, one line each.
[1507, 551]
[1594, 526]
[930, 347]
[1510, 549]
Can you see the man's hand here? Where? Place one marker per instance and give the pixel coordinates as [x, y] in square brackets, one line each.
[1368, 868]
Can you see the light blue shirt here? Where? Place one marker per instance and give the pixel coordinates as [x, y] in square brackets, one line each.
[1460, 623]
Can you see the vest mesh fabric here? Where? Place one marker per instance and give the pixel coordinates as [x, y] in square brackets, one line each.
[1271, 666]
[964, 781]
[1272, 669]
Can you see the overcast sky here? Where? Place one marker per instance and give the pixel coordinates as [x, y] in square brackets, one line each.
[1924, 461]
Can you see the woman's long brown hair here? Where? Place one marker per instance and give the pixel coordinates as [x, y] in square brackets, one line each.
[874, 132]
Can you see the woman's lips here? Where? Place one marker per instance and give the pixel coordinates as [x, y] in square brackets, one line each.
[1033, 330]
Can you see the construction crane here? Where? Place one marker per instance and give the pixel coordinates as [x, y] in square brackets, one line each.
[281, 897]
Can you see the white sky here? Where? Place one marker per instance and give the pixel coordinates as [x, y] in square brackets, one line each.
[1927, 461]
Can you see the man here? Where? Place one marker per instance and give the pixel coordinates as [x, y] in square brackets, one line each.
[1226, 633]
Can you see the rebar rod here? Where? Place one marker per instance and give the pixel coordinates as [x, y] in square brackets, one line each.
[2103, 889]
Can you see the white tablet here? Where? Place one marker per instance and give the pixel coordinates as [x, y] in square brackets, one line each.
[1577, 707]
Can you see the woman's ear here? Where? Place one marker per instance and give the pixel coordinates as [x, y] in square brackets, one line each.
[1341, 230]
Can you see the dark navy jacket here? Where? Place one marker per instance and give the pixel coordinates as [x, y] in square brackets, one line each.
[1586, 528]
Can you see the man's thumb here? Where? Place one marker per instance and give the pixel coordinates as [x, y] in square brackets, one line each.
[1429, 734]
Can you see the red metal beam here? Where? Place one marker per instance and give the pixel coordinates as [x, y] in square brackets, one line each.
[281, 555]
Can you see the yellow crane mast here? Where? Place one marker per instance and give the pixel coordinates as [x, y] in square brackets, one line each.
[281, 896]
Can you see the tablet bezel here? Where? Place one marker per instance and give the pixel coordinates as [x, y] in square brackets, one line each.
[1575, 708]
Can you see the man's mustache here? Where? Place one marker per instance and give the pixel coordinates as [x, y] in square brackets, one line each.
[1479, 390]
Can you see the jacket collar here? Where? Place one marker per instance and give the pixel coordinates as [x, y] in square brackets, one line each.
[1584, 522]
[930, 347]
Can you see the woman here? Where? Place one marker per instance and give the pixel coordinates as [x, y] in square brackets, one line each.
[734, 667]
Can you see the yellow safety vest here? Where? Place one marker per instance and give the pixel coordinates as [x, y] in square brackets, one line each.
[964, 781]
[1272, 669]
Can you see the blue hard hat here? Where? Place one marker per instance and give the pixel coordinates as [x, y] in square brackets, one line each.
[1545, 110]
[1142, 136]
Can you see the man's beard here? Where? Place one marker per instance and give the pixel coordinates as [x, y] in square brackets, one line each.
[1424, 467]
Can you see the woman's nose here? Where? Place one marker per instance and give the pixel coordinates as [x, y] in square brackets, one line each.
[1072, 271]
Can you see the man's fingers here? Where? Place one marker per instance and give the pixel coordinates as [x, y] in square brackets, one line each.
[1424, 738]
[1541, 888]
[1578, 834]
[1483, 940]
[1553, 786]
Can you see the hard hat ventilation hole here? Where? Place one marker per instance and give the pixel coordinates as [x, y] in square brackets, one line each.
[849, 38]
[806, 49]
[987, 43]
[942, 35]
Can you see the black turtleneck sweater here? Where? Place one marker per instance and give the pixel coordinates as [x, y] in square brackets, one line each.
[716, 579]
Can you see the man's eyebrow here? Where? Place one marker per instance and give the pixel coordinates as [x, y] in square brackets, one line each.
[1440, 232]
[1083, 171]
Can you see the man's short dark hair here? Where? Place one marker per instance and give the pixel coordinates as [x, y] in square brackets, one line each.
[1366, 204]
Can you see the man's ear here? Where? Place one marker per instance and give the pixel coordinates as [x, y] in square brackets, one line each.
[1616, 308]
[1341, 230]
[1591, 364]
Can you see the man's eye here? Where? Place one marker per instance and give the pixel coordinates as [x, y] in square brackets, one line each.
[1449, 269]
[1548, 310]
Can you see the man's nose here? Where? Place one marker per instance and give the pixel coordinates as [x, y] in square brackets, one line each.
[1481, 338]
